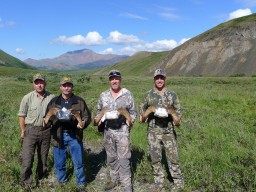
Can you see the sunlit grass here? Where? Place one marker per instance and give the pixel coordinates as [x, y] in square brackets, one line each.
[216, 139]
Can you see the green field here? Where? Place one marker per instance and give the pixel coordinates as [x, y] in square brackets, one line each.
[217, 144]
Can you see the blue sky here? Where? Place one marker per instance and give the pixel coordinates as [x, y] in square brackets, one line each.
[41, 29]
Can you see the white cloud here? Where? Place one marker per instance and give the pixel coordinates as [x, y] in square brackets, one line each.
[6, 24]
[19, 51]
[116, 37]
[167, 13]
[133, 16]
[92, 38]
[161, 45]
[239, 13]
[169, 16]
[11, 24]
[157, 46]
[108, 51]
[183, 40]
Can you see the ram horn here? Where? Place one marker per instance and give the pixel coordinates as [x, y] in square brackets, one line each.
[77, 116]
[175, 118]
[149, 110]
[126, 114]
[99, 116]
[50, 113]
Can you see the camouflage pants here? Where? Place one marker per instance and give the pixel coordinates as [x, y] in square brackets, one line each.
[117, 146]
[168, 141]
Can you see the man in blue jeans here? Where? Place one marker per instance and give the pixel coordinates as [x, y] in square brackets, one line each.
[67, 132]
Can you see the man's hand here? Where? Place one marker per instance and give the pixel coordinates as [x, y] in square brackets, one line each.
[22, 134]
[46, 125]
[81, 126]
[127, 123]
[21, 140]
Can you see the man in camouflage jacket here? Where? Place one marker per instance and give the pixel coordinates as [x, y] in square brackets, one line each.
[117, 131]
[161, 130]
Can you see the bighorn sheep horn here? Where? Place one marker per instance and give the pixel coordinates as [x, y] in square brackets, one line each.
[54, 110]
[99, 116]
[126, 114]
[121, 111]
[175, 118]
[50, 113]
[149, 110]
[77, 116]
[170, 111]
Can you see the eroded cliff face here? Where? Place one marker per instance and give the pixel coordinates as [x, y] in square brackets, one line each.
[225, 51]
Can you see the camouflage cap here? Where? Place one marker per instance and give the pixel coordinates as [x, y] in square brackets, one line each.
[115, 73]
[66, 80]
[159, 72]
[38, 76]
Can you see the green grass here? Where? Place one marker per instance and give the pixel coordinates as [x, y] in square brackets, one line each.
[216, 140]
[10, 61]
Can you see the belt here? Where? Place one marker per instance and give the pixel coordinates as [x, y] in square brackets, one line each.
[67, 130]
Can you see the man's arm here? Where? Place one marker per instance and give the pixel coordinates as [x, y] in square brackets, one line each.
[22, 126]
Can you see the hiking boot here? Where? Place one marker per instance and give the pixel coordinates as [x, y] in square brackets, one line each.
[110, 185]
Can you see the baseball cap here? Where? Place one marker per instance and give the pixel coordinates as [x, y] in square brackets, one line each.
[38, 76]
[159, 72]
[114, 73]
[66, 80]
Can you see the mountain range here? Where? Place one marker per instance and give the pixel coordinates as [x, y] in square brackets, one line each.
[79, 59]
[225, 50]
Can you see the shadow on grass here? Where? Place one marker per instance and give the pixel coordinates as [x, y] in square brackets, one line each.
[94, 162]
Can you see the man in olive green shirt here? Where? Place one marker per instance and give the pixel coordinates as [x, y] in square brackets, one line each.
[33, 133]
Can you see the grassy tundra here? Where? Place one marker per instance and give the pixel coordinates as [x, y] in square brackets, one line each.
[217, 144]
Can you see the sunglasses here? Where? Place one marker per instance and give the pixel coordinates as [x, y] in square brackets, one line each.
[114, 73]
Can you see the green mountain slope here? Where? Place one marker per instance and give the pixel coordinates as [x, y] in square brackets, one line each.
[10, 61]
[137, 64]
[224, 50]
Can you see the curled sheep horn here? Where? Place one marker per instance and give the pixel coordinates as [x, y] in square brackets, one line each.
[121, 111]
[149, 110]
[174, 115]
[50, 113]
[170, 111]
[99, 116]
[53, 111]
[126, 114]
[77, 116]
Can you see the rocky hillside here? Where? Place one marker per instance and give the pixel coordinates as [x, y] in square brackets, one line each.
[80, 59]
[227, 49]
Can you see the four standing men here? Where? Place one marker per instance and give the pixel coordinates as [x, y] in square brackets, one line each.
[69, 132]
[117, 131]
[161, 130]
[33, 134]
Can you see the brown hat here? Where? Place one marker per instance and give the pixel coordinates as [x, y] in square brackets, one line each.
[38, 76]
[66, 80]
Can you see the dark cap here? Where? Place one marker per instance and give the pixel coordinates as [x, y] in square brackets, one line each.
[159, 72]
[38, 76]
[115, 73]
[66, 80]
